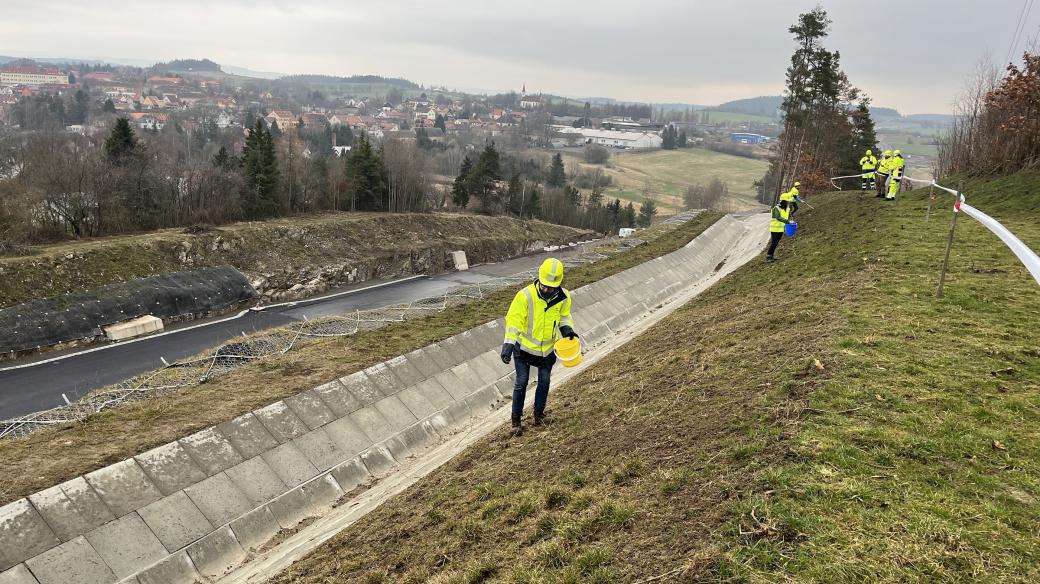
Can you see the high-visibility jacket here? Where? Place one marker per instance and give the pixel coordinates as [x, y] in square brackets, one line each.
[884, 167]
[868, 163]
[896, 166]
[534, 322]
[779, 219]
[790, 196]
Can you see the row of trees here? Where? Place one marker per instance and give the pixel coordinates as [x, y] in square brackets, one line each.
[710, 196]
[827, 122]
[671, 138]
[997, 130]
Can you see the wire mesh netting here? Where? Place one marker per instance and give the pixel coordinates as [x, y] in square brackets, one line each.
[277, 341]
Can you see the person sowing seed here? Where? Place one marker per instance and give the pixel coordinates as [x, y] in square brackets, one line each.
[538, 312]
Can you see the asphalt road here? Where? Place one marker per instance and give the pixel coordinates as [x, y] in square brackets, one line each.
[40, 386]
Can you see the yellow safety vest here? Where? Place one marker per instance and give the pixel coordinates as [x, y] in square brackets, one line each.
[776, 225]
[868, 162]
[534, 322]
[896, 166]
[789, 195]
[885, 165]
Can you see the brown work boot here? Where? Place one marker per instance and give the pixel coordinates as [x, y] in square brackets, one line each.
[517, 429]
[542, 419]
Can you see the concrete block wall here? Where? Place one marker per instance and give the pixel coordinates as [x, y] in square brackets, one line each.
[193, 509]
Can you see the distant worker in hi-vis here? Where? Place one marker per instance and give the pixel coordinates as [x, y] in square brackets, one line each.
[781, 216]
[896, 165]
[538, 312]
[884, 169]
[869, 164]
[792, 198]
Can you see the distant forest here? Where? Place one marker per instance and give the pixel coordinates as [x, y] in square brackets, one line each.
[361, 79]
[188, 65]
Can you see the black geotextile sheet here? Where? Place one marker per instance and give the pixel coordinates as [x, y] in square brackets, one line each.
[82, 315]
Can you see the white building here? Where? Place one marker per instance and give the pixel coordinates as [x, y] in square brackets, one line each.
[614, 138]
[32, 76]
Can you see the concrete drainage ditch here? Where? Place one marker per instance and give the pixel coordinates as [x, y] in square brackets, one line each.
[198, 509]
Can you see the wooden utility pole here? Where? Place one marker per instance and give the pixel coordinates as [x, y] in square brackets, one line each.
[949, 241]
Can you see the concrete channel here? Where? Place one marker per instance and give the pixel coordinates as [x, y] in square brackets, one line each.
[204, 508]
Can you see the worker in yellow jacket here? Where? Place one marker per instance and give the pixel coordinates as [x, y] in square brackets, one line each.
[781, 216]
[539, 315]
[792, 197]
[868, 164]
[896, 165]
[883, 172]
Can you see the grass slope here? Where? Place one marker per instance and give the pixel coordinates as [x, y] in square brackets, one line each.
[824, 418]
[50, 456]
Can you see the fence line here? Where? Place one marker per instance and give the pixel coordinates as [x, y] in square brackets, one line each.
[1027, 256]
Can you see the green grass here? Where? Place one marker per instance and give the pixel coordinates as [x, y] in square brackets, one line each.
[670, 172]
[821, 419]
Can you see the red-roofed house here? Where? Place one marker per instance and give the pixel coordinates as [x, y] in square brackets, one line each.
[149, 120]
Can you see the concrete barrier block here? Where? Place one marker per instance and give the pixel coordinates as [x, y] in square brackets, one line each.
[362, 388]
[126, 545]
[281, 422]
[175, 569]
[490, 335]
[412, 440]
[219, 499]
[70, 509]
[211, 450]
[378, 460]
[424, 364]
[23, 533]
[485, 373]
[453, 350]
[256, 528]
[170, 468]
[432, 390]
[217, 553]
[175, 520]
[460, 414]
[73, 561]
[350, 474]
[349, 438]
[416, 402]
[468, 380]
[505, 387]
[493, 360]
[308, 407]
[320, 449]
[290, 464]
[442, 423]
[247, 435]
[451, 384]
[597, 334]
[395, 412]
[383, 379]
[136, 327]
[372, 423]
[18, 575]
[337, 398]
[305, 501]
[483, 400]
[256, 480]
[471, 344]
[406, 373]
[124, 487]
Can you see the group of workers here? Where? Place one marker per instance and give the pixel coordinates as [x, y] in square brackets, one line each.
[884, 176]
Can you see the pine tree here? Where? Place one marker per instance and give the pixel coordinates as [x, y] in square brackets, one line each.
[557, 175]
[109, 106]
[681, 142]
[275, 132]
[439, 123]
[459, 192]
[863, 135]
[646, 213]
[629, 215]
[121, 143]
[260, 174]
[367, 177]
[532, 204]
[514, 194]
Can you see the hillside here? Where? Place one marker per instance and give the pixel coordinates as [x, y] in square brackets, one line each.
[315, 252]
[823, 418]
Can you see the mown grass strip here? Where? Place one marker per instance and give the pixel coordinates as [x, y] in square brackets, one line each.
[50, 456]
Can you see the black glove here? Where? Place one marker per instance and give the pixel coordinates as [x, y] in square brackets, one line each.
[507, 352]
[568, 332]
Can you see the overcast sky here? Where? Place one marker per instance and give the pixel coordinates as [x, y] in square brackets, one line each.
[912, 55]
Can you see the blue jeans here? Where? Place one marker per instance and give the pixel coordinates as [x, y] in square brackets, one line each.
[523, 363]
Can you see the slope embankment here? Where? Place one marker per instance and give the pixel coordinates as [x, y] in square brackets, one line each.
[284, 258]
[823, 418]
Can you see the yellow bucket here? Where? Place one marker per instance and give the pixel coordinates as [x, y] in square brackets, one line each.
[568, 351]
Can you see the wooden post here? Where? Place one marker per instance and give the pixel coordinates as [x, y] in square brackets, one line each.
[949, 241]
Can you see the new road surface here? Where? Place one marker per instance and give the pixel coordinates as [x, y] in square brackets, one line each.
[44, 382]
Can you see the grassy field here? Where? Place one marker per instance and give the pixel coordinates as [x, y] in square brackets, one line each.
[50, 456]
[669, 172]
[821, 419]
[717, 117]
